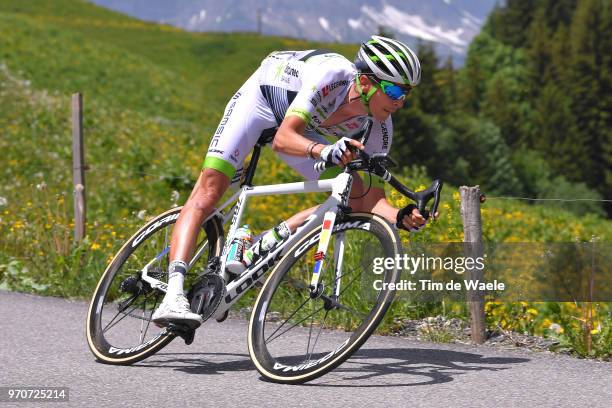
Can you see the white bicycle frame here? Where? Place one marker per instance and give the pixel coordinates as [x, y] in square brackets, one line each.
[325, 216]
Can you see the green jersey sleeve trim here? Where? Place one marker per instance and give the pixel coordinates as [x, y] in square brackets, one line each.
[301, 113]
[219, 164]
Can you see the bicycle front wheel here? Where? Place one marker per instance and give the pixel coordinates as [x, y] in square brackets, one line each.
[295, 337]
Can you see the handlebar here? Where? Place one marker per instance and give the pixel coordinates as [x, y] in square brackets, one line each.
[378, 163]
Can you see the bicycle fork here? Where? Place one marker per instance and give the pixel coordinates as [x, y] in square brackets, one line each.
[329, 219]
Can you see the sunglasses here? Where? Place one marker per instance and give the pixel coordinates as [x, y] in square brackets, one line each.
[393, 91]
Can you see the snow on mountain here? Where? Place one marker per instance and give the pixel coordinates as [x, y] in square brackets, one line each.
[196, 19]
[415, 26]
[448, 24]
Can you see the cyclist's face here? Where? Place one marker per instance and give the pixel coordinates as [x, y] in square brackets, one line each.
[382, 105]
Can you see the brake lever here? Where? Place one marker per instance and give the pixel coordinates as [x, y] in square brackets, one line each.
[423, 197]
[438, 190]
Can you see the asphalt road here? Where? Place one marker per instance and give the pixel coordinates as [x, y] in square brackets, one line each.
[42, 344]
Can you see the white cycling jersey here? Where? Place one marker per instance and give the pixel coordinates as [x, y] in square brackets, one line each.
[309, 84]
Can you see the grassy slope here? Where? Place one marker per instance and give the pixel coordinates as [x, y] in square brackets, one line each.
[201, 70]
[153, 95]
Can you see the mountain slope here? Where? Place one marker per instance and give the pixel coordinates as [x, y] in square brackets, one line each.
[448, 24]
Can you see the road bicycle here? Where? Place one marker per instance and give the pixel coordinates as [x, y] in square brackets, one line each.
[314, 310]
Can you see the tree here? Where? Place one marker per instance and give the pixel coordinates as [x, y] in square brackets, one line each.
[606, 102]
[588, 44]
[539, 53]
[475, 153]
[506, 103]
[447, 79]
[557, 12]
[429, 96]
[509, 24]
[414, 139]
[556, 133]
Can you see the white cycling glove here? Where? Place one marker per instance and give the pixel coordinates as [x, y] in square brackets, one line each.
[333, 153]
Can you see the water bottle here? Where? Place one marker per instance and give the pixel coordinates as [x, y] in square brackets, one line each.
[266, 243]
[235, 256]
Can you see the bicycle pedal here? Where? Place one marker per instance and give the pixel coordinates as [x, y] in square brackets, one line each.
[184, 331]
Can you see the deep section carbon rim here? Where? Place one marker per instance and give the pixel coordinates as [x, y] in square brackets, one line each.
[295, 337]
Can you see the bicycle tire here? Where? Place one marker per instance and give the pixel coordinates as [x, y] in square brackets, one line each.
[288, 281]
[133, 255]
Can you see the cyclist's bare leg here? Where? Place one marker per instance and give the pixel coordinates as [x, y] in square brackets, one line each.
[298, 219]
[208, 190]
[201, 202]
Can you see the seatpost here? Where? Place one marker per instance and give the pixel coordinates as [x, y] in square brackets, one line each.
[250, 171]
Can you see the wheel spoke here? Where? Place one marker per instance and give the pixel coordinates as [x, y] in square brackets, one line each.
[292, 314]
[318, 334]
[129, 313]
[295, 325]
[310, 331]
[143, 335]
[129, 301]
[109, 326]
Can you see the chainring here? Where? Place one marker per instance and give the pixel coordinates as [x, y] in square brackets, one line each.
[206, 294]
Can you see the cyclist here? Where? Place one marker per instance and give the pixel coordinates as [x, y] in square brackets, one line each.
[306, 98]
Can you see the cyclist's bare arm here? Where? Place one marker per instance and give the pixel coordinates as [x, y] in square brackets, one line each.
[289, 139]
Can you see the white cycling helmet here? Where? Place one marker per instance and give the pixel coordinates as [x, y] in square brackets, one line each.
[389, 60]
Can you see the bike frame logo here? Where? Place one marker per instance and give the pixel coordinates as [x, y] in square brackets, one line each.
[119, 351]
[154, 227]
[261, 268]
[338, 227]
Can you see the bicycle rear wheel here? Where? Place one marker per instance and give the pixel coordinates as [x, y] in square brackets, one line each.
[119, 327]
[294, 338]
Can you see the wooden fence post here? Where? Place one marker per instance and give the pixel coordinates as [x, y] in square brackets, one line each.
[473, 247]
[78, 167]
